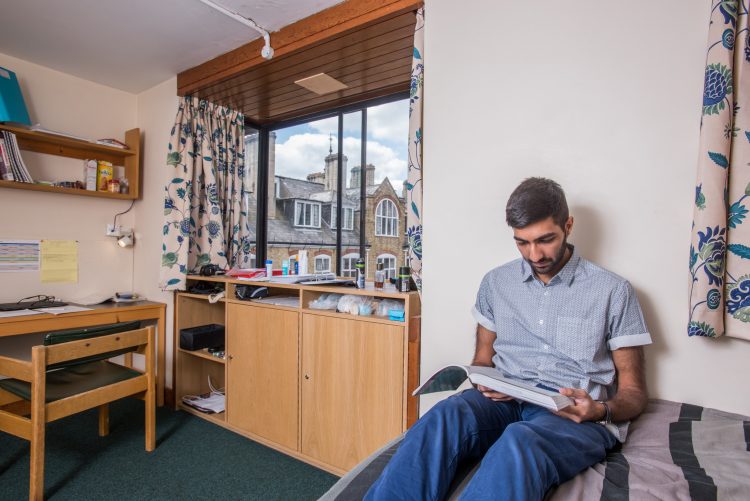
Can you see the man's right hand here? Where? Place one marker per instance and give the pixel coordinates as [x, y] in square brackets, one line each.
[492, 394]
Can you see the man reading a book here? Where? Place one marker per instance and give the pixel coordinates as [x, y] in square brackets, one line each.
[552, 319]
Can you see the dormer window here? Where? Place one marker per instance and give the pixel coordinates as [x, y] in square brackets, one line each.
[306, 214]
[348, 218]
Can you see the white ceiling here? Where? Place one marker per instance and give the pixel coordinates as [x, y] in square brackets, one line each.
[133, 45]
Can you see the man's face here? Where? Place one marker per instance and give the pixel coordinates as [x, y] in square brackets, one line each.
[543, 245]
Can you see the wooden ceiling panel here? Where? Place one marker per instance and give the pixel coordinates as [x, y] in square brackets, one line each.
[308, 61]
[372, 56]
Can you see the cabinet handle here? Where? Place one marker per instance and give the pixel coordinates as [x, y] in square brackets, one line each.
[307, 376]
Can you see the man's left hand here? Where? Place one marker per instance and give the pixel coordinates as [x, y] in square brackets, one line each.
[585, 408]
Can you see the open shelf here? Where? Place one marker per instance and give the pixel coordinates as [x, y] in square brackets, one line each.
[203, 354]
[219, 418]
[347, 316]
[53, 144]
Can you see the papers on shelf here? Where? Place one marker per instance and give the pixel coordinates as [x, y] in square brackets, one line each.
[57, 310]
[18, 313]
[39, 128]
[292, 301]
[214, 402]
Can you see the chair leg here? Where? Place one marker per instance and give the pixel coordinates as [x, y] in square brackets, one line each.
[104, 420]
[150, 421]
[38, 424]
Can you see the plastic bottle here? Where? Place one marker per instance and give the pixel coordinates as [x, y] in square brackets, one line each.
[404, 274]
[292, 262]
[379, 276]
[285, 267]
[269, 268]
[360, 267]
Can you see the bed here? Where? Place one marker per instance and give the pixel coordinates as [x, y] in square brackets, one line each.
[673, 451]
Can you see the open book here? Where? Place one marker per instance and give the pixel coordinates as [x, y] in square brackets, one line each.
[452, 376]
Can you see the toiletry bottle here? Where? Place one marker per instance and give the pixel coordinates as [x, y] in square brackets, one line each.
[379, 276]
[285, 267]
[269, 268]
[360, 267]
[404, 274]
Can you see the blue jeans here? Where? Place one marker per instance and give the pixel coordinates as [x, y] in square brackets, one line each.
[525, 450]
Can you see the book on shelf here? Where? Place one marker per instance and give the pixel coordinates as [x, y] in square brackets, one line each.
[108, 141]
[449, 378]
[306, 277]
[13, 160]
[6, 173]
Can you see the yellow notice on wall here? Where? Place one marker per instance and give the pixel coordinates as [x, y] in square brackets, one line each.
[59, 261]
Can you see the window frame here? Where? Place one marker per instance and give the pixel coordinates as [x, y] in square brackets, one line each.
[264, 131]
[322, 257]
[393, 220]
[334, 222]
[312, 205]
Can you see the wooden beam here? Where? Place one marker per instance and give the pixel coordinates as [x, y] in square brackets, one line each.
[339, 19]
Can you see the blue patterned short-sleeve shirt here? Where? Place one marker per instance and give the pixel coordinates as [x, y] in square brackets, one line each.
[560, 334]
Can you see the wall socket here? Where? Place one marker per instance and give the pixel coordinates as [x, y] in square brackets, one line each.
[114, 231]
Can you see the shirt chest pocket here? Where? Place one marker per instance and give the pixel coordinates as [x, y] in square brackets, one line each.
[577, 338]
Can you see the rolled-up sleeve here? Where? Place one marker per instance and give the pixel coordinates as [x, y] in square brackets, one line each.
[626, 324]
[482, 310]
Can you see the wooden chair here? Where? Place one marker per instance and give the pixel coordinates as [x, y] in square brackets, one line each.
[70, 374]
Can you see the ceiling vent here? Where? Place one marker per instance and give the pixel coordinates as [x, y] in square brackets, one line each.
[321, 84]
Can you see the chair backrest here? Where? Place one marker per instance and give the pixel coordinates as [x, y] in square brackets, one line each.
[65, 336]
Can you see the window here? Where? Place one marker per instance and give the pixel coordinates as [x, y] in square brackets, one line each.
[386, 219]
[389, 264]
[348, 218]
[348, 263]
[307, 214]
[362, 148]
[322, 264]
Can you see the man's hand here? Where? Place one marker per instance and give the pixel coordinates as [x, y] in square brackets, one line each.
[585, 408]
[492, 394]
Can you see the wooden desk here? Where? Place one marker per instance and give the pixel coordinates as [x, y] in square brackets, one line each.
[101, 314]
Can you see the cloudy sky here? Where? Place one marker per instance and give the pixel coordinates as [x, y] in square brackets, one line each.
[301, 150]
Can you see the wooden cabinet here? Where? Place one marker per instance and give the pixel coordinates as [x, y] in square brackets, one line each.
[325, 387]
[352, 388]
[263, 370]
[63, 146]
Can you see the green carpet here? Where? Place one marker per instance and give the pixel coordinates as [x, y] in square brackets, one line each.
[193, 459]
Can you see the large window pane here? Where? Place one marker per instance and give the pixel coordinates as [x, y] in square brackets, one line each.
[248, 249]
[303, 175]
[387, 141]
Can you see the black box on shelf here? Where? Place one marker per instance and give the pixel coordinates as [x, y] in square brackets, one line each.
[202, 336]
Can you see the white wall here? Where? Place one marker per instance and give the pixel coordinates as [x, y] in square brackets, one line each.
[65, 103]
[157, 108]
[605, 98]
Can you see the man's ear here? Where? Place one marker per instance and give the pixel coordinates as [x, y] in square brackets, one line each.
[568, 226]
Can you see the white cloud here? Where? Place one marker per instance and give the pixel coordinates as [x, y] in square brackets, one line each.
[303, 154]
[390, 122]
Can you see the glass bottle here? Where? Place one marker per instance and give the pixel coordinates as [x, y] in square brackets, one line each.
[379, 276]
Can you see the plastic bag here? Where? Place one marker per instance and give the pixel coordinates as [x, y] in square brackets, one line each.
[327, 301]
[389, 304]
[355, 305]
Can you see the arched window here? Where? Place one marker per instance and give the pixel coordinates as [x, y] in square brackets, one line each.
[386, 219]
[347, 265]
[389, 264]
[322, 263]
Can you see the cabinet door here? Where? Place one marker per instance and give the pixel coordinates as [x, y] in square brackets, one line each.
[352, 388]
[263, 372]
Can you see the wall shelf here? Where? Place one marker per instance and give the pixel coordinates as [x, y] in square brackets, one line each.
[52, 144]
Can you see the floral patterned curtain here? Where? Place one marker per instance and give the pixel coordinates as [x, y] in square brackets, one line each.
[414, 180]
[203, 218]
[720, 246]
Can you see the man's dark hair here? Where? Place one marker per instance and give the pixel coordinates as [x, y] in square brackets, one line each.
[534, 200]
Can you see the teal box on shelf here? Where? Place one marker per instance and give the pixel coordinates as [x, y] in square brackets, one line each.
[12, 105]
